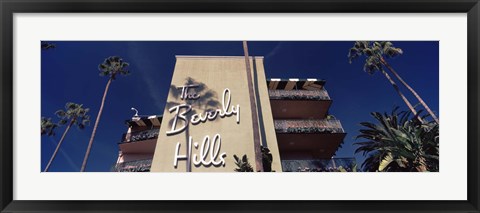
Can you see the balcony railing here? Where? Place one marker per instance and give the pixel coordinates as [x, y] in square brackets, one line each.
[308, 126]
[327, 165]
[133, 166]
[139, 136]
[299, 94]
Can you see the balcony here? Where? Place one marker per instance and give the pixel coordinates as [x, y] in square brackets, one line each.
[140, 142]
[308, 126]
[299, 94]
[308, 138]
[133, 166]
[140, 136]
[327, 165]
[285, 104]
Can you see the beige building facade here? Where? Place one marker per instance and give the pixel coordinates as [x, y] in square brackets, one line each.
[207, 119]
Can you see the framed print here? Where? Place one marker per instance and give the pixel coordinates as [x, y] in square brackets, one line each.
[167, 106]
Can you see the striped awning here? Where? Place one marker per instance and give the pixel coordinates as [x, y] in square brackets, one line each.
[295, 83]
[153, 120]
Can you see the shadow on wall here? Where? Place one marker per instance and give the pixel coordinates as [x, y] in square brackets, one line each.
[201, 98]
[189, 98]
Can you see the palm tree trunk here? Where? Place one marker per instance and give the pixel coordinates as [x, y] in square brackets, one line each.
[253, 107]
[411, 90]
[58, 146]
[402, 96]
[85, 159]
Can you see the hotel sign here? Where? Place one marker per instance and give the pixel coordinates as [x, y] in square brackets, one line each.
[204, 125]
[209, 150]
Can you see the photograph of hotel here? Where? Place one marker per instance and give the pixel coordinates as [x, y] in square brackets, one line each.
[228, 107]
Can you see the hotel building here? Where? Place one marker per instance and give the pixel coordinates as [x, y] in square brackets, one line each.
[208, 119]
[136, 147]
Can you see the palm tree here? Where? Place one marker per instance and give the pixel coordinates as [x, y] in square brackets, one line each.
[74, 114]
[46, 45]
[376, 53]
[111, 66]
[242, 164]
[399, 143]
[253, 107]
[373, 64]
[47, 126]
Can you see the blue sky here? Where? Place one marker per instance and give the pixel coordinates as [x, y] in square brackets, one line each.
[70, 74]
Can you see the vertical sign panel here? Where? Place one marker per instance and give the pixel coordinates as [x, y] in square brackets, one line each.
[207, 118]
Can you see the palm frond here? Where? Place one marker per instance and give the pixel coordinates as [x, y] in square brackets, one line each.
[398, 142]
[74, 113]
[47, 126]
[113, 66]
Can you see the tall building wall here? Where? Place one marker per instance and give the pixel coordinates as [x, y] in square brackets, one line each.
[214, 81]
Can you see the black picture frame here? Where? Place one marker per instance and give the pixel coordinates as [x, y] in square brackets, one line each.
[9, 7]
